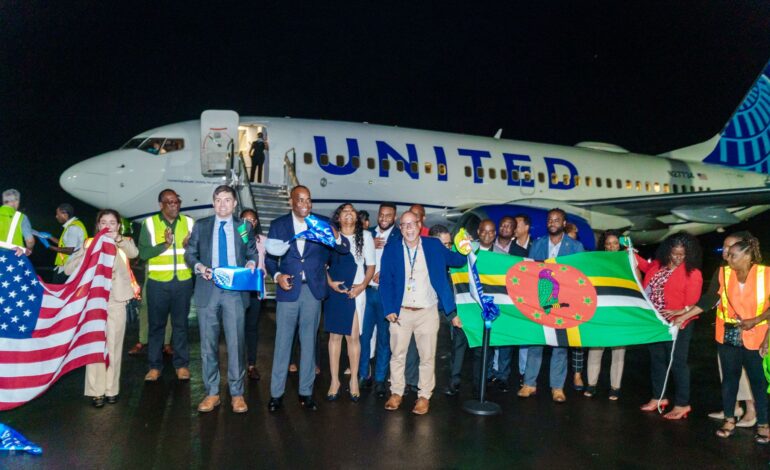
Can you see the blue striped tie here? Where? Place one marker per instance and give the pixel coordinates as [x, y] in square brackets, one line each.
[222, 244]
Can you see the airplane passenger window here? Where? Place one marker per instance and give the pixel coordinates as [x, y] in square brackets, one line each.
[428, 167]
[527, 177]
[577, 180]
[492, 173]
[414, 168]
[656, 187]
[565, 180]
[554, 178]
[609, 182]
[399, 165]
[700, 188]
[502, 174]
[692, 189]
[708, 189]
[666, 188]
[356, 161]
[324, 159]
[385, 164]
[541, 177]
[441, 169]
[647, 186]
[340, 160]
[588, 181]
[619, 184]
[515, 175]
[370, 163]
[638, 186]
[628, 184]
[676, 188]
[308, 158]
[480, 172]
[598, 182]
[468, 171]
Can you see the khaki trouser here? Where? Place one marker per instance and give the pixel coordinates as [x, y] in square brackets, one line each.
[101, 380]
[423, 324]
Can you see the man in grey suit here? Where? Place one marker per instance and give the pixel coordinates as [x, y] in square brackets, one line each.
[221, 240]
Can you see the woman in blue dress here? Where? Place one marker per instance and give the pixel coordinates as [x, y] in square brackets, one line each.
[348, 277]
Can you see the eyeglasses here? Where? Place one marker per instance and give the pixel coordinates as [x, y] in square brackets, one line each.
[409, 225]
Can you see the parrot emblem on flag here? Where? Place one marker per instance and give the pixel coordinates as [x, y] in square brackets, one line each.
[548, 291]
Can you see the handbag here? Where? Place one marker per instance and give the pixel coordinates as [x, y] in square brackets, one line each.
[733, 335]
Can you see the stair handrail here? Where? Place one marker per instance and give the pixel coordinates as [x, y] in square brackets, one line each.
[289, 169]
[237, 178]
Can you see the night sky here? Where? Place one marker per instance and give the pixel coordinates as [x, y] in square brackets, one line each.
[80, 79]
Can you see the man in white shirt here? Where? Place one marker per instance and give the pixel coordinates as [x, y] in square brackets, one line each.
[71, 240]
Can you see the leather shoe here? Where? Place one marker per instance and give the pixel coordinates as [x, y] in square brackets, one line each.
[452, 390]
[275, 404]
[97, 402]
[380, 390]
[365, 382]
[307, 402]
[209, 403]
[526, 391]
[137, 350]
[558, 395]
[253, 373]
[183, 373]
[111, 400]
[393, 402]
[421, 406]
[168, 350]
[239, 405]
[503, 386]
[152, 376]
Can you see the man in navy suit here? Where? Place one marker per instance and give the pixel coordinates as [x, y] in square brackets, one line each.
[556, 243]
[385, 232]
[301, 278]
[413, 280]
[221, 240]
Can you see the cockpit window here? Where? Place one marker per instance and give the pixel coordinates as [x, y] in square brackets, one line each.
[155, 145]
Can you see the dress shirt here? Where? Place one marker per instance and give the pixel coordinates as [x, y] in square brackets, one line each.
[553, 250]
[299, 227]
[423, 296]
[498, 248]
[384, 234]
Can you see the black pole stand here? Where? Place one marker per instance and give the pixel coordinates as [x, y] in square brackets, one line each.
[481, 407]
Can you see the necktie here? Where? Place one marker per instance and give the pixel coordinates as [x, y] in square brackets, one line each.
[222, 244]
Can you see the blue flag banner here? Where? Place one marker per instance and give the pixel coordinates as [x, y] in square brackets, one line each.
[241, 279]
[10, 439]
[317, 231]
[43, 237]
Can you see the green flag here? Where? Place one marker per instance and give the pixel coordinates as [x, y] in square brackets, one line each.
[589, 299]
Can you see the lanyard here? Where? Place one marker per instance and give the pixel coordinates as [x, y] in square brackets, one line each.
[412, 259]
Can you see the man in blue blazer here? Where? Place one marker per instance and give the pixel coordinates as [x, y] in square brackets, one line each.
[413, 280]
[221, 240]
[556, 243]
[301, 278]
[384, 233]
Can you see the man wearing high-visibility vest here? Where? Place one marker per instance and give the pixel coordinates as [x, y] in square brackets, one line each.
[11, 221]
[10, 207]
[162, 244]
[71, 240]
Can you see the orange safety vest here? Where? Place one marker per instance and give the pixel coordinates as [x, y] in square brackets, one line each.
[743, 304]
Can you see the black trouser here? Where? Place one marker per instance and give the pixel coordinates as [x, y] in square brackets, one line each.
[459, 346]
[660, 355]
[252, 328]
[733, 359]
[164, 298]
[59, 277]
[256, 168]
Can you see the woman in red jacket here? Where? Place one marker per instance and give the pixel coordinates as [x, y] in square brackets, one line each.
[672, 282]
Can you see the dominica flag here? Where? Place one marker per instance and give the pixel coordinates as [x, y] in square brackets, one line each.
[590, 299]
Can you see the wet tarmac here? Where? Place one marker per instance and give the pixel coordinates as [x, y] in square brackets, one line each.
[156, 426]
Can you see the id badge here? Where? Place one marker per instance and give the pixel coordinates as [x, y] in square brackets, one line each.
[411, 285]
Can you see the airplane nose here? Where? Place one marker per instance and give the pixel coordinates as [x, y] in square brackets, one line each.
[87, 180]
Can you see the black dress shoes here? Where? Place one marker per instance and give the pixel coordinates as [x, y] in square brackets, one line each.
[365, 382]
[111, 400]
[307, 402]
[380, 390]
[502, 385]
[452, 390]
[275, 404]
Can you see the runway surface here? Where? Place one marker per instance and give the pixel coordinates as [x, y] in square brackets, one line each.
[156, 426]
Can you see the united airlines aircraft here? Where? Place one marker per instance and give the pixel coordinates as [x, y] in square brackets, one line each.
[460, 179]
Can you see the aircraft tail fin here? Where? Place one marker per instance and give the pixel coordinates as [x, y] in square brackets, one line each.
[744, 143]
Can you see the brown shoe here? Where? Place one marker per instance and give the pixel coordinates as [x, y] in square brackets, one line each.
[239, 405]
[168, 350]
[421, 406]
[558, 395]
[137, 350]
[253, 373]
[209, 403]
[152, 376]
[183, 373]
[393, 402]
[526, 391]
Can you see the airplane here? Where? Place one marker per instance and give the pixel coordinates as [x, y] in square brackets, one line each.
[460, 179]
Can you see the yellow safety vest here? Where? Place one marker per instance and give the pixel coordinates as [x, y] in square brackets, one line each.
[162, 267]
[61, 258]
[10, 228]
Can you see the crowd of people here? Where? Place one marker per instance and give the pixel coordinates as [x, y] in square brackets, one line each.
[384, 290]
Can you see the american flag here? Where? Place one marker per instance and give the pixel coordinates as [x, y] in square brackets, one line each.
[47, 330]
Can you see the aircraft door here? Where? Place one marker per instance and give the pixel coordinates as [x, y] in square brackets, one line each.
[254, 145]
[219, 129]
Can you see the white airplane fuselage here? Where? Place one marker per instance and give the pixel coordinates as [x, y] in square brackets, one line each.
[368, 164]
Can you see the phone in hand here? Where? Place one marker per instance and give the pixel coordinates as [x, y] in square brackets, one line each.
[343, 286]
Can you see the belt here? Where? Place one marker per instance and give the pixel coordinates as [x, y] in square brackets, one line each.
[413, 309]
